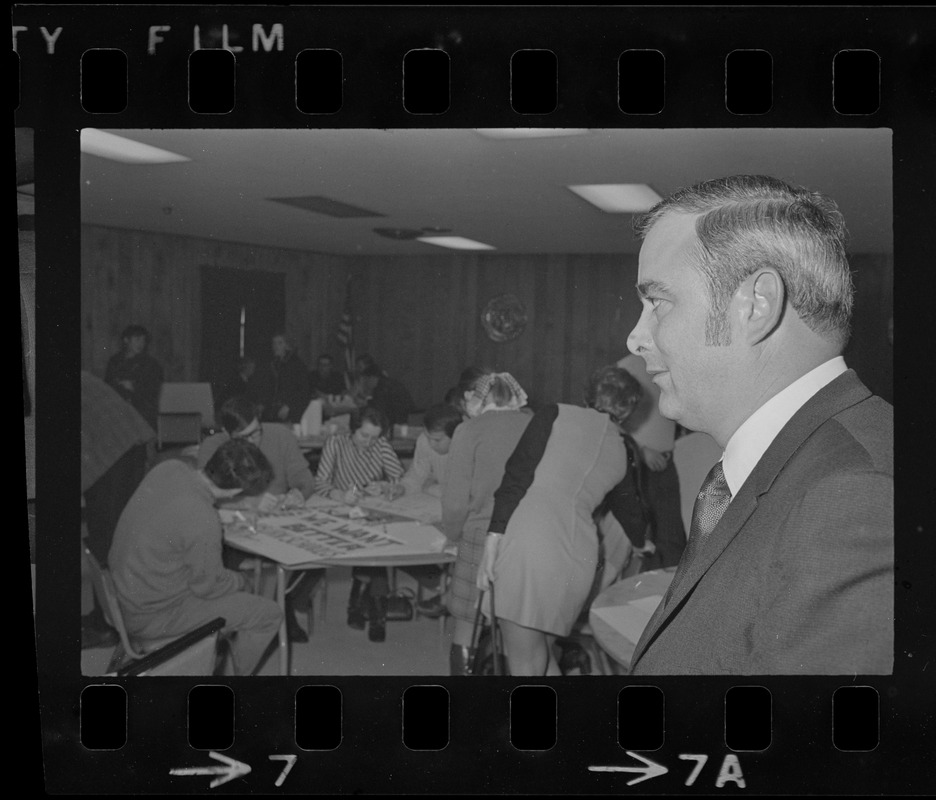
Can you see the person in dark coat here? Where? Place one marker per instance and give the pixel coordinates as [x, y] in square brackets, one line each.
[166, 554]
[326, 380]
[135, 374]
[388, 394]
[746, 296]
[288, 393]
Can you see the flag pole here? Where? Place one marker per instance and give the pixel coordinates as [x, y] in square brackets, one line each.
[346, 335]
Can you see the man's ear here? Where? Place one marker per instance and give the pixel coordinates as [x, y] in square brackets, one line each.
[760, 301]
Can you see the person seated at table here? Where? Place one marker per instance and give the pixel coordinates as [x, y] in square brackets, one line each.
[479, 450]
[292, 484]
[166, 554]
[352, 464]
[388, 394]
[326, 381]
[292, 479]
[427, 474]
[541, 550]
[427, 471]
[470, 374]
[361, 362]
[242, 381]
[287, 384]
[455, 398]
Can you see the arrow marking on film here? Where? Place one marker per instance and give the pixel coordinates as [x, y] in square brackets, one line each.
[231, 769]
[650, 769]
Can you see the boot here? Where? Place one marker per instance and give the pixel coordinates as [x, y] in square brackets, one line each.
[357, 619]
[433, 608]
[573, 657]
[459, 660]
[377, 629]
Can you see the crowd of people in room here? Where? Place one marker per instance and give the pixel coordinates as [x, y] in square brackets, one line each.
[283, 386]
[471, 446]
[547, 502]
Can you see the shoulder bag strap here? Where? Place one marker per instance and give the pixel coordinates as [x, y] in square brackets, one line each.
[494, 632]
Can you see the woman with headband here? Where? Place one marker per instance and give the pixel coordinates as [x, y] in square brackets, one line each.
[542, 546]
[480, 448]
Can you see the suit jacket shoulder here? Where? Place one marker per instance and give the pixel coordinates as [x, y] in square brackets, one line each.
[798, 575]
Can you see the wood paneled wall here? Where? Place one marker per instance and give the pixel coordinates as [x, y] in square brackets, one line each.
[870, 352]
[153, 279]
[419, 317]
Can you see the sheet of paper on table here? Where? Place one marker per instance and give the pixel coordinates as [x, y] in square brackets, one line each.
[313, 535]
[317, 501]
[366, 513]
[630, 619]
[418, 539]
[419, 506]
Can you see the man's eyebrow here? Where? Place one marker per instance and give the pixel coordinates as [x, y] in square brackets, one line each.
[651, 287]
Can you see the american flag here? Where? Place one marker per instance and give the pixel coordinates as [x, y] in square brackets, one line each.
[346, 336]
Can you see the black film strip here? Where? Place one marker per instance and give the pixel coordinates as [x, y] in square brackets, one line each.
[333, 68]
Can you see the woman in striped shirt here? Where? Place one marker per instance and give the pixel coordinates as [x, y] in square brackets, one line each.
[350, 463]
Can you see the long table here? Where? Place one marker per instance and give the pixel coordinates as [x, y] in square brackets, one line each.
[395, 534]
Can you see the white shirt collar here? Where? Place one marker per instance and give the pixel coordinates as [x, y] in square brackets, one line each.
[751, 440]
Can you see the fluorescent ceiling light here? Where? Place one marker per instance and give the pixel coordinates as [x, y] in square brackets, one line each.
[127, 151]
[619, 198]
[528, 133]
[455, 242]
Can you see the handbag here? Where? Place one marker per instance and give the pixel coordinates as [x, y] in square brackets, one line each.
[486, 653]
[401, 605]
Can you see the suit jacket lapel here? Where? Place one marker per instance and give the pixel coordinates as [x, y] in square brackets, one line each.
[845, 391]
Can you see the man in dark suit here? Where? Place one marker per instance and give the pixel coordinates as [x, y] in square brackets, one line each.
[789, 568]
[287, 393]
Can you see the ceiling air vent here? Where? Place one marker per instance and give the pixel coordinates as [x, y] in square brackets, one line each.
[407, 234]
[325, 205]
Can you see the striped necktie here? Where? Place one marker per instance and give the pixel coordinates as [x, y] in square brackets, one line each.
[711, 502]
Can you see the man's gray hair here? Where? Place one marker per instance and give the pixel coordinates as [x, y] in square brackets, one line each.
[747, 222]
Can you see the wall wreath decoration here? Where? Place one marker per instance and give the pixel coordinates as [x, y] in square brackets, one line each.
[504, 318]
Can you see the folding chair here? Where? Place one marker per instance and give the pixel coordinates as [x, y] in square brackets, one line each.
[129, 648]
[255, 565]
[195, 653]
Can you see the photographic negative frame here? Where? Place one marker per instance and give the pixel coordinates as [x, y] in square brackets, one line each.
[480, 755]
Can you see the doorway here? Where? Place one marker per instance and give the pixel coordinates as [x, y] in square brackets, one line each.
[241, 310]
